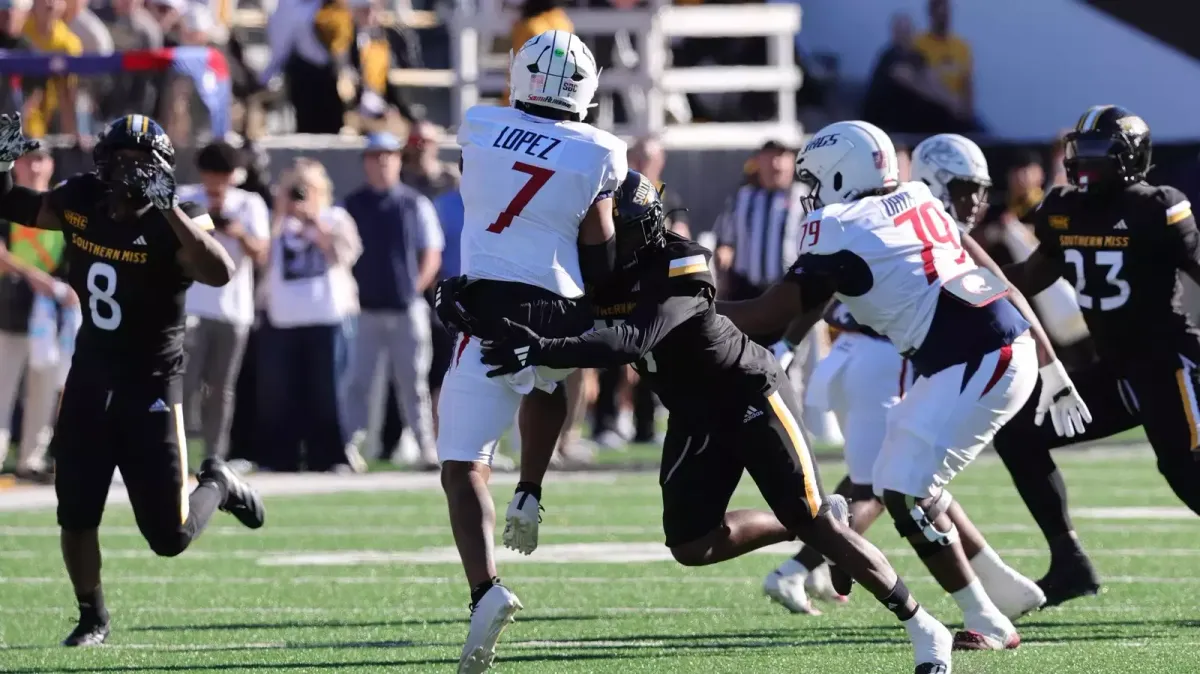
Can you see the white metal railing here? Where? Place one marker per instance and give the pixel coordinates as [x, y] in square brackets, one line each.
[652, 80]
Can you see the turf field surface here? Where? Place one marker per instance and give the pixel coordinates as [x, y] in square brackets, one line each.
[362, 577]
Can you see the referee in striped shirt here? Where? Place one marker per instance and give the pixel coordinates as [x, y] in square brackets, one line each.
[757, 235]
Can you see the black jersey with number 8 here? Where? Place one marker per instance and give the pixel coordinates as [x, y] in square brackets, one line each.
[129, 281]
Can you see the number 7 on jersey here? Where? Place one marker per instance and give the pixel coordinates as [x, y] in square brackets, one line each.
[538, 177]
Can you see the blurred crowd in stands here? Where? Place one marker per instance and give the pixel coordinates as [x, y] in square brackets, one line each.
[322, 353]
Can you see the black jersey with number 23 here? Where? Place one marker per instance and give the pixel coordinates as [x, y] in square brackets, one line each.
[1123, 253]
[129, 281]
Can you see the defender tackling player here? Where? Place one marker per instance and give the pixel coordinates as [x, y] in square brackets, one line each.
[132, 251]
[730, 409]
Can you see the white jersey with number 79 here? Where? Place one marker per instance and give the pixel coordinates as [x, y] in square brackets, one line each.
[891, 256]
[527, 183]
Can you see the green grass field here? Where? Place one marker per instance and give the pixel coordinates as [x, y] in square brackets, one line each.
[368, 582]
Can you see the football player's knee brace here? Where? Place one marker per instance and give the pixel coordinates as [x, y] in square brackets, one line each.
[915, 516]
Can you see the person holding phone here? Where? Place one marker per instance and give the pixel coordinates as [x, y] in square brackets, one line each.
[308, 293]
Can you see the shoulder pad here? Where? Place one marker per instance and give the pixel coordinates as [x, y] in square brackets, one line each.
[1174, 203]
[687, 261]
[1056, 193]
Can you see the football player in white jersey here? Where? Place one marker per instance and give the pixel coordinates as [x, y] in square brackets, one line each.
[864, 376]
[537, 186]
[892, 254]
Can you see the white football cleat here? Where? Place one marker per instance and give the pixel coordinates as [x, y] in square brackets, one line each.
[1014, 594]
[931, 641]
[785, 586]
[986, 632]
[521, 523]
[819, 586]
[489, 617]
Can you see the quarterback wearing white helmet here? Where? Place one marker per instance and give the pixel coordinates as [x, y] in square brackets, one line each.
[955, 170]
[892, 254]
[864, 377]
[537, 188]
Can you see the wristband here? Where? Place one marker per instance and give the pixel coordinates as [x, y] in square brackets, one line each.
[60, 290]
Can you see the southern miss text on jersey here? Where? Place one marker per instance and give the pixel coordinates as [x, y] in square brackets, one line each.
[1122, 253]
[699, 364]
[128, 279]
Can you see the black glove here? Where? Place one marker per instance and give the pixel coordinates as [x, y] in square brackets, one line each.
[450, 310]
[13, 143]
[156, 182]
[516, 348]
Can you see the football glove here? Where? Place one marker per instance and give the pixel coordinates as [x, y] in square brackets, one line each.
[156, 182]
[1067, 410]
[13, 143]
[515, 348]
[449, 309]
[522, 519]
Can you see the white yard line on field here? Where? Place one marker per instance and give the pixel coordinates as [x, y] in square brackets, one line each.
[303, 484]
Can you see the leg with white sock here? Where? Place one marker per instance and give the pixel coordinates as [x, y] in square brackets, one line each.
[926, 524]
[1011, 592]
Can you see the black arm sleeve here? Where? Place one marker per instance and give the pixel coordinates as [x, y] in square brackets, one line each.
[18, 204]
[597, 261]
[647, 326]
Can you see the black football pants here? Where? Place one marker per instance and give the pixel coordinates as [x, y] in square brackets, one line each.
[1160, 396]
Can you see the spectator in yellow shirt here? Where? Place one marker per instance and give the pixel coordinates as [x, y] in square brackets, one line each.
[48, 33]
[948, 57]
[537, 17]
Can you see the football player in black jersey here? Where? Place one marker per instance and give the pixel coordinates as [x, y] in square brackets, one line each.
[730, 409]
[132, 252]
[1122, 242]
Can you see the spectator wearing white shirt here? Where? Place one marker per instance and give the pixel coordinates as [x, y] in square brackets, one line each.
[220, 318]
[308, 293]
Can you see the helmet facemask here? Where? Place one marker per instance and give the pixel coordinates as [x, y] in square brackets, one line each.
[812, 201]
[967, 200]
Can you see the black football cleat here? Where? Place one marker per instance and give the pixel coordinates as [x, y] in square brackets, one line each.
[1069, 579]
[91, 631]
[931, 668]
[241, 500]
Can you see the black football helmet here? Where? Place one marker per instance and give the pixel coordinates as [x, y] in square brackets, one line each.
[639, 218]
[132, 132]
[1109, 147]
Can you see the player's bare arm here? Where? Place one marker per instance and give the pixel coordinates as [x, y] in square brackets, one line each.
[795, 303]
[1036, 272]
[1046, 353]
[597, 242]
[202, 257]
[769, 312]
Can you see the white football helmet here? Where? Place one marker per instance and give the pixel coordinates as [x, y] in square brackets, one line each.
[956, 172]
[846, 161]
[554, 70]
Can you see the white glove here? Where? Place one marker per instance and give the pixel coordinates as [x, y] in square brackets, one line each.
[521, 523]
[1067, 410]
[784, 352]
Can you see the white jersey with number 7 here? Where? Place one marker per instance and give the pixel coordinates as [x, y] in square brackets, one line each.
[892, 254]
[527, 183]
